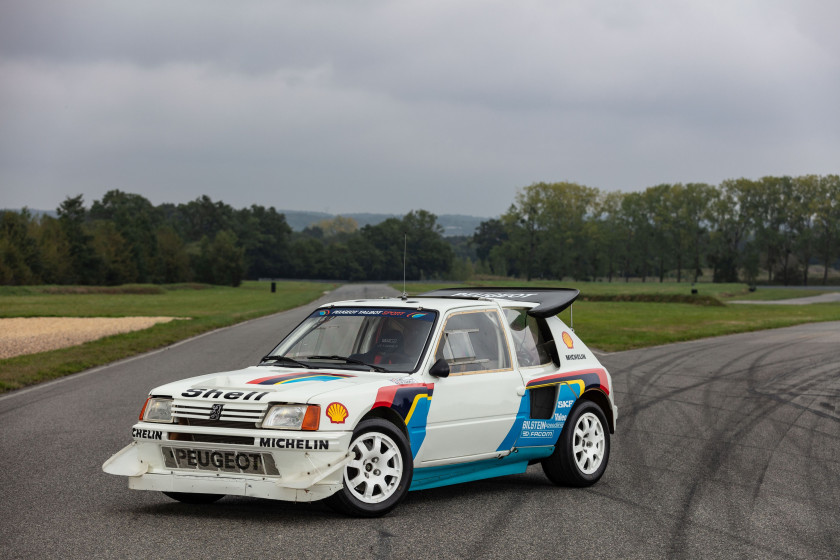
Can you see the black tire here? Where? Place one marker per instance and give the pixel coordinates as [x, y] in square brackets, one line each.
[583, 450]
[191, 498]
[377, 479]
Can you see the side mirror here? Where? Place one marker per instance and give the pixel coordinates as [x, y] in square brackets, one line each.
[440, 368]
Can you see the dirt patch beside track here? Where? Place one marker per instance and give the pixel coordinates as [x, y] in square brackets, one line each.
[28, 335]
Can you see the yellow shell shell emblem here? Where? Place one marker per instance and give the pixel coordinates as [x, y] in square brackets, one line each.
[567, 340]
[337, 413]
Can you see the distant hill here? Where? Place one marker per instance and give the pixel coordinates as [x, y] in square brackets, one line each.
[452, 224]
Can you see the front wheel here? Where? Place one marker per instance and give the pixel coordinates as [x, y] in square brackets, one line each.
[379, 474]
[583, 449]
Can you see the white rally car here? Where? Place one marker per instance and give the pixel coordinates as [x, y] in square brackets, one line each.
[368, 399]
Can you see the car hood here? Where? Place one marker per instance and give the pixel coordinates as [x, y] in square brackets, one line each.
[271, 384]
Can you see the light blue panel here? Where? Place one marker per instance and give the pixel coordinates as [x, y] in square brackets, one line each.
[522, 415]
[515, 463]
[417, 424]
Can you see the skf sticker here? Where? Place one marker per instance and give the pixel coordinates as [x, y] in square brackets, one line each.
[567, 340]
[337, 413]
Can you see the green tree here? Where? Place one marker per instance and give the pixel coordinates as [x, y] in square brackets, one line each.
[490, 233]
[827, 221]
[116, 263]
[694, 200]
[54, 250]
[136, 220]
[265, 236]
[221, 261]
[84, 264]
[172, 263]
[20, 258]
[730, 219]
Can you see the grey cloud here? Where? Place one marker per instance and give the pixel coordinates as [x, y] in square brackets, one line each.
[389, 106]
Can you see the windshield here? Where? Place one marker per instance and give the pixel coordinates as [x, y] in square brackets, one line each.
[382, 339]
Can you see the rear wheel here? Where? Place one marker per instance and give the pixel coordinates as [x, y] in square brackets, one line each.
[190, 498]
[583, 449]
[379, 474]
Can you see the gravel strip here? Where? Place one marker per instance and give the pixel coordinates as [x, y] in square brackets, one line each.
[28, 335]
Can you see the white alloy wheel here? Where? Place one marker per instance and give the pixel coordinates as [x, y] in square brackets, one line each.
[376, 470]
[589, 442]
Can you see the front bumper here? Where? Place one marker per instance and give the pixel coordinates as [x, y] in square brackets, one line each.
[293, 466]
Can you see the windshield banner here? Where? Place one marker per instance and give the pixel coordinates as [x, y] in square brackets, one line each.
[377, 312]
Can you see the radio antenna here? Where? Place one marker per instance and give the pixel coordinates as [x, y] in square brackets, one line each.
[405, 247]
[572, 316]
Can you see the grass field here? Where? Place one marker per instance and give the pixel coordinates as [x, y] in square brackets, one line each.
[207, 307]
[624, 324]
[620, 316]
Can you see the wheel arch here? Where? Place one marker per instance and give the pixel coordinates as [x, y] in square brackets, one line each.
[389, 415]
[603, 401]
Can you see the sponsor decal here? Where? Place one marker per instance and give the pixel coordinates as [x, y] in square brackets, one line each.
[218, 394]
[567, 340]
[412, 403]
[535, 432]
[216, 411]
[575, 356]
[356, 312]
[283, 443]
[403, 380]
[493, 295]
[146, 434]
[297, 378]
[337, 413]
[582, 380]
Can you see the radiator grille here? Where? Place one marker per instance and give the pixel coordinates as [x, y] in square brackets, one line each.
[233, 416]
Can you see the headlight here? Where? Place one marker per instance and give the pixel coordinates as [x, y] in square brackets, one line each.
[157, 410]
[292, 417]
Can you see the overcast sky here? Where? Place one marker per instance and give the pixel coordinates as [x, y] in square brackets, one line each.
[389, 106]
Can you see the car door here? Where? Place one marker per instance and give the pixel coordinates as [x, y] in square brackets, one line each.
[474, 408]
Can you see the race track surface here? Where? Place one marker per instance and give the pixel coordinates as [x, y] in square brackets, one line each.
[726, 448]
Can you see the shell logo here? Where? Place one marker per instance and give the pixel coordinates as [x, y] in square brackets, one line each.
[337, 413]
[567, 340]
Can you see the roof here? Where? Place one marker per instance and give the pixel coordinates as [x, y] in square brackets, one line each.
[549, 301]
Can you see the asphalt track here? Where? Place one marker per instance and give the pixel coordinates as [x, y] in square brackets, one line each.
[726, 448]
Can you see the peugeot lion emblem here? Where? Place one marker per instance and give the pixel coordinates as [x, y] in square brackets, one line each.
[216, 412]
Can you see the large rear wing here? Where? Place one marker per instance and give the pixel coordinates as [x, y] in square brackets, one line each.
[550, 301]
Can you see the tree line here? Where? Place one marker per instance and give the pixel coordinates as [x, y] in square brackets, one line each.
[123, 238]
[771, 230]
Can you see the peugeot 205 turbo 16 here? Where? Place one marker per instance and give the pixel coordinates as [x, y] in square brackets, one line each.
[368, 399]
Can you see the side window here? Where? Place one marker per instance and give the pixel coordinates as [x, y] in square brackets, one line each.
[529, 341]
[474, 342]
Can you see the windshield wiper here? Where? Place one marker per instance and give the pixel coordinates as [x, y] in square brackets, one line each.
[348, 360]
[286, 360]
